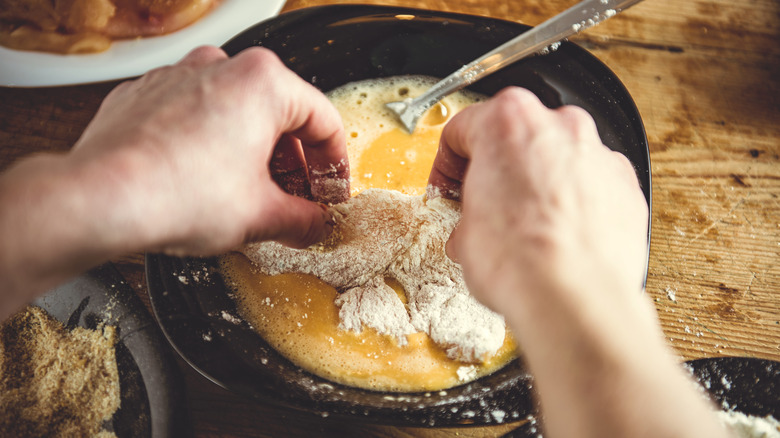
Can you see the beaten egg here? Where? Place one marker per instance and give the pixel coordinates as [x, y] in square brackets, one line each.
[296, 313]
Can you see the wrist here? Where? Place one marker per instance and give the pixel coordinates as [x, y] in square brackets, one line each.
[61, 217]
[45, 237]
[122, 190]
[587, 355]
[598, 311]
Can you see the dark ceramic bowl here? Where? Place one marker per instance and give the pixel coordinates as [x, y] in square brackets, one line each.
[742, 384]
[330, 46]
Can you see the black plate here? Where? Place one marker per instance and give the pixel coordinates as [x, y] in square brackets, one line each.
[743, 384]
[330, 46]
[152, 390]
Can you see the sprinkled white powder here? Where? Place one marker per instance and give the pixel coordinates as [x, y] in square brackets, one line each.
[382, 233]
[725, 382]
[749, 426]
[467, 373]
[498, 415]
[375, 305]
[329, 190]
[326, 186]
[230, 318]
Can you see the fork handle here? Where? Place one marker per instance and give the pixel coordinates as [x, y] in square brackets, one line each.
[543, 37]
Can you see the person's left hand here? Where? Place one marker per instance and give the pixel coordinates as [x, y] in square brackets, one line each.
[192, 150]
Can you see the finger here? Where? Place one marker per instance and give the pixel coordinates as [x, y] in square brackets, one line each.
[578, 121]
[328, 168]
[202, 55]
[448, 173]
[292, 221]
[511, 116]
[305, 113]
[318, 126]
[451, 247]
[452, 157]
[325, 152]
[288, 167]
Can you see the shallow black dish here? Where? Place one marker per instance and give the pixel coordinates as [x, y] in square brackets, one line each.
[330, 46]
[152, 390]
[743, 384]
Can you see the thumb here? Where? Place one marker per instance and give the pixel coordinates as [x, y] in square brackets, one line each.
[293, 221]
[451, 247]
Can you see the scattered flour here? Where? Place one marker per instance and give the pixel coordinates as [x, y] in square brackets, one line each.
[671, 293]
[467, 373]
[381, 234]
[376, 305]
[749, 426]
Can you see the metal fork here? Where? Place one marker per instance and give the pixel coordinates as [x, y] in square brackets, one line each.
[542, 39]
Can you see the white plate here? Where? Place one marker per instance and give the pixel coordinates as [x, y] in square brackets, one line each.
[133, 57]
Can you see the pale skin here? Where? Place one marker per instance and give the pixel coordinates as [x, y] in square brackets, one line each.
[179, 161]
[553, 232]
[554, 235]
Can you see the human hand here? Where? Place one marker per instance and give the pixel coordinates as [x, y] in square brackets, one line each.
[553, 235]
[192, 150]
[546, 206]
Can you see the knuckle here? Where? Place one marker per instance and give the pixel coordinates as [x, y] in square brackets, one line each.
[202, 51]
[574, 112]
[577, 119]
[259, 58]
[516, 96]
[515, 112]
[207, 53]
[515, 101]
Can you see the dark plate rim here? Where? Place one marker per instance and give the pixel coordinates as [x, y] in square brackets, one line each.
[160, 267]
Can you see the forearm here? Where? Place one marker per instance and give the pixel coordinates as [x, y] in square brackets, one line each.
[177, 162]
[603, 369]
[57, 220]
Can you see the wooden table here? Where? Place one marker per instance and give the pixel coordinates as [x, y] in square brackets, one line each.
[706, 78]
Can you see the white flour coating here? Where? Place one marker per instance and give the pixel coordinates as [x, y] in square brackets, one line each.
[325, 187]
[375, 305]
[371, 231]
[439, 303]
[383, 233]
[750, 426]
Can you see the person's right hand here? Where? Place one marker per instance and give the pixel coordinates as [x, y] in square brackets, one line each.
[546, 206]
[553, 235]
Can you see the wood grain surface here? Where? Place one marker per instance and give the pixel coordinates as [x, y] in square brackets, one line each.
[705, 76]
